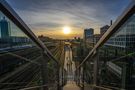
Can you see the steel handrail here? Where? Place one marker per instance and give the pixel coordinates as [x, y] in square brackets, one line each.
[37, 87]
[129, 11]
[14, 17]
[102, 87]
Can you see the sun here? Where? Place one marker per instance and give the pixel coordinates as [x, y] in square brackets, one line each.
[66, 30]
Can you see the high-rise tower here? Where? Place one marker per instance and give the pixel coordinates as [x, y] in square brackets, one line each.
[88, 33]
[5, 28]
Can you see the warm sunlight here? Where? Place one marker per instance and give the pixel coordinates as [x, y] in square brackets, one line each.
[66, 30]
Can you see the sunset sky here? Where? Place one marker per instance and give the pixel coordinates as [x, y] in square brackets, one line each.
[48, 17]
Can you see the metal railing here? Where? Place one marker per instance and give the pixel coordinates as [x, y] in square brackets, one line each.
[116, 25]
[93, 55]
[13, 16]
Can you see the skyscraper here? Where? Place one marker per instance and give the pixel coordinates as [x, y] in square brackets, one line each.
[88, 33]
[5, 28]
[88, 36]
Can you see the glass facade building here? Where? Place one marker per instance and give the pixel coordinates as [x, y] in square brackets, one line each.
[125, 36]
[117, 55]
[5, 28]
[27, 63]
[88, 33]
[112, 65]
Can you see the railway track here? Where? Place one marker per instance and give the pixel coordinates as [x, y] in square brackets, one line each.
[24, 74]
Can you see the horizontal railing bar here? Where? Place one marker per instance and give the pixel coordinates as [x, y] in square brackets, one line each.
[100, 87]
[36, 87]
[28, 88]
[116, 88]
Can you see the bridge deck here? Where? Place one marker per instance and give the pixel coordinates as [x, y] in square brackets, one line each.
[71, 85]
[69, 65]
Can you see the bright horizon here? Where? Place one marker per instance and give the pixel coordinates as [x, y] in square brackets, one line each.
[59, 34]
[47, 18]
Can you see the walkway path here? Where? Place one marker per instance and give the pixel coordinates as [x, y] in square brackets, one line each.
[69, 65]
[71, 85]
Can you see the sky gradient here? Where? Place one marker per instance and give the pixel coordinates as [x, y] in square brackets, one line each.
[48, 17]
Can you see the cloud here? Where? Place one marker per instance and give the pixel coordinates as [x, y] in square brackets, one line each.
[53, 14]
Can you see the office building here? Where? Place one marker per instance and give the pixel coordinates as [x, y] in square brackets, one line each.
[96, 38]
[5, 28]
[88, 33]
[104, 29]
[125, 37]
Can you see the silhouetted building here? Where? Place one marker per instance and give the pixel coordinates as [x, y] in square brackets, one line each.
[75, 38]
[88, 33]
[78, 39]
[45, 39]
[104, 29]
[96, 38]
[5, 28]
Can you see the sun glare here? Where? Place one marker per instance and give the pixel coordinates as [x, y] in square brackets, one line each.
[66, 30]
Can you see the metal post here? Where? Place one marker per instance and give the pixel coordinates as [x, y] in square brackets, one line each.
[44, 71]
[95, 78]
[83, 76]
[62, 76]
[75, 78]
[79, 75]
[58, 78]
[127, 74]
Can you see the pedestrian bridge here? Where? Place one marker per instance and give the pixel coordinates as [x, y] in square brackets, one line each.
[27, 63]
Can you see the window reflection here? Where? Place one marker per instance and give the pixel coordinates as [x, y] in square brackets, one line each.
[18, 54]
[117, 57]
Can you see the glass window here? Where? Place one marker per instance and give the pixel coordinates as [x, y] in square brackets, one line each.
[120, 58]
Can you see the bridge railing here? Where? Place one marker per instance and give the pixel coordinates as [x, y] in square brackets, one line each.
[111, 63]
[25, 61]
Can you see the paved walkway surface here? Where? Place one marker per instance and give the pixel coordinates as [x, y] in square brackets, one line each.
[71, 85]
[69, 65]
